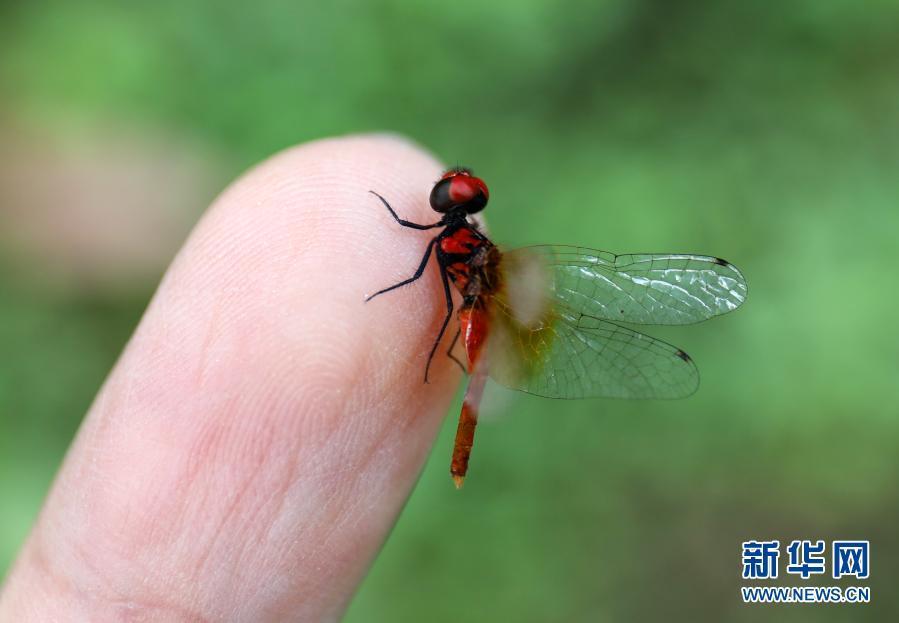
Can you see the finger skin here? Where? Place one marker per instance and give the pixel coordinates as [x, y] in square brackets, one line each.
[254, 444]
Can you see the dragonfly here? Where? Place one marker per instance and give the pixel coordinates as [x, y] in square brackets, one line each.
[552, 320]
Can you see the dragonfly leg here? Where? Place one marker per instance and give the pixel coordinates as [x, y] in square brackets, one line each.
[404, 222]
[446, 319]
[418, 273]
[450, 354]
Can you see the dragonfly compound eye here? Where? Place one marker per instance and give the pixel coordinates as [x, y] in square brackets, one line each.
[459, 189]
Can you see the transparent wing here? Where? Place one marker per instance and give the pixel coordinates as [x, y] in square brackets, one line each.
[661, 289]
[576, 356]
[544, 341]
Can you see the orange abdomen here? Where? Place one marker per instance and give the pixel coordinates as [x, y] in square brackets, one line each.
[473, 326]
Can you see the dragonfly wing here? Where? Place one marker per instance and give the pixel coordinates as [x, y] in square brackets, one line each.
[543, 344]
[576, 356]
[661, 289]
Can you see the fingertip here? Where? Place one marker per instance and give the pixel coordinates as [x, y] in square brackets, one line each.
[308, 216]
[261, 401]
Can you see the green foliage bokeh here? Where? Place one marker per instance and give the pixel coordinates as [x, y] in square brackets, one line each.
[766, 133]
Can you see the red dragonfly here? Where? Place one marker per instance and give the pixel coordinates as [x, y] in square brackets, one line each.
[547, 320]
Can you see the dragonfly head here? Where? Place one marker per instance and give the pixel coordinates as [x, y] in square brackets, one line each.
[459, 189]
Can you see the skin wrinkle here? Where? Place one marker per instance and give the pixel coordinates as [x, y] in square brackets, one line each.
[69, 594]
[82, 552]
[263, 423]
[325, 502]
[351, 515]
[96, 582]
[319, 550]
[255, 462]
[38, 557]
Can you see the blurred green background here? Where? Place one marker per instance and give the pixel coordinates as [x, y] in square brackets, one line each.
[764, 132]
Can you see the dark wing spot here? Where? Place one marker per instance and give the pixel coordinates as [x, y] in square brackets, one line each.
[683, 355]
[721, 262]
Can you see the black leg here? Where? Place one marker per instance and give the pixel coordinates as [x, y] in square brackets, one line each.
[403, 222]
[418, 273]
[450, 354]
[449, 314]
